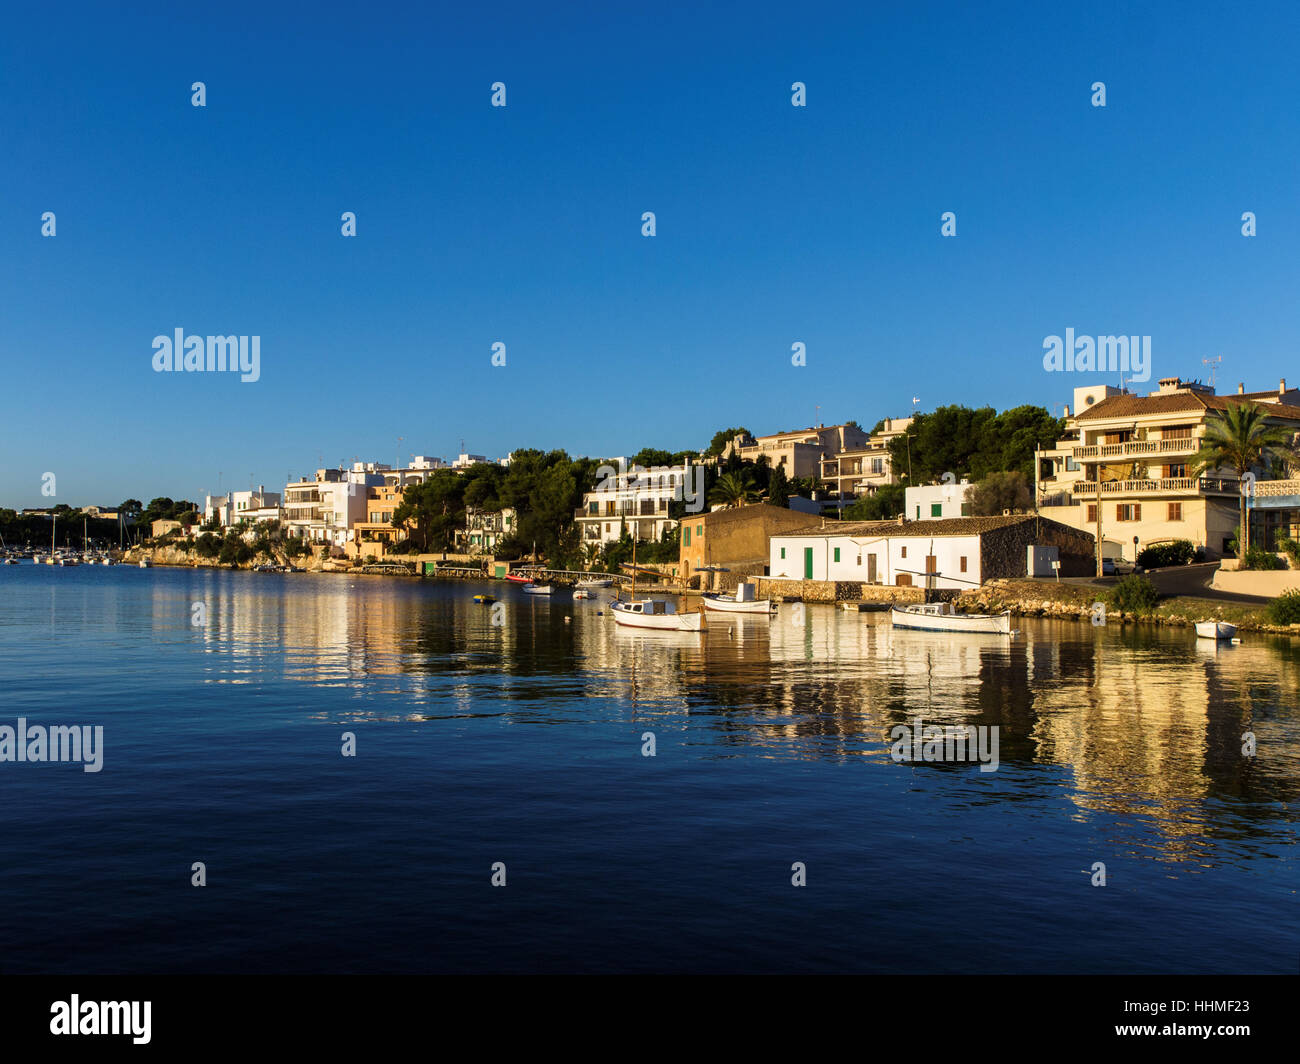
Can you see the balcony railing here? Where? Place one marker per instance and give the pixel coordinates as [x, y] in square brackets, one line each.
[1160, 485]
[1136, 448]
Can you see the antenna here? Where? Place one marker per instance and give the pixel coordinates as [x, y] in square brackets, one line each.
[1211, 362]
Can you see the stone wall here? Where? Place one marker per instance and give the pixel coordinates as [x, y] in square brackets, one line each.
[836, 591]
[1003, 551]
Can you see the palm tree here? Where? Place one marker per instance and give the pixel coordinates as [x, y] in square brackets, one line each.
[733, 489]
[1241, 439]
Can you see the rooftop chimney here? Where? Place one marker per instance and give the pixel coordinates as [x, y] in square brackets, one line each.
[1281, 386]
[1241, 388]
[1067, 409]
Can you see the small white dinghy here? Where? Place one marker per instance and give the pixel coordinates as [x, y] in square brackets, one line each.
[939, 617]
[742, 601]
[591, 583]
[652, 613]
[1215, 630]
[537, 589]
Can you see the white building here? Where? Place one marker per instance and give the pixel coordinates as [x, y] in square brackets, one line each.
[325, 508]
[484, 529]
[638, 500]
[952, 553]
[237, 506]
[464, 461]
[927, 502]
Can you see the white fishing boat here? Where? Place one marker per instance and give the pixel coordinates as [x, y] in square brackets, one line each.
[592, 583]
[1215, 630]
[939, 617]
[145, 563]
[583, 593]
[742, 601]
[537, 589]
[655, 613]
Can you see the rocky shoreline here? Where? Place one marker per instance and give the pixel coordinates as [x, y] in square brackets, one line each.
[1032, 598]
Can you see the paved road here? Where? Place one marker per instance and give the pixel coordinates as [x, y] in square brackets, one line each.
[1193, 580]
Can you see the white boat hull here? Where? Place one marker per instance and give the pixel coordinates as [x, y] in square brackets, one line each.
[726, 604]
[1215, 630]
[531, 589]
[591, 585]
[929, 619]
[661, 622]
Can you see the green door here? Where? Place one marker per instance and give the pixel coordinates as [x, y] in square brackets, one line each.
[807, 563]
[501, 572]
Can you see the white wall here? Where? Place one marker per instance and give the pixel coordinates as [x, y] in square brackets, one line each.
[918, 500]
[895, 555]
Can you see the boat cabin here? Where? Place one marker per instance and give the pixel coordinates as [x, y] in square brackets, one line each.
[653, 607]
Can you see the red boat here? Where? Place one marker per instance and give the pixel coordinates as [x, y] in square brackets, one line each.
[515, 578]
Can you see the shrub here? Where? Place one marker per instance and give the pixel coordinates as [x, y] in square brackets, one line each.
[1134, 594]
[1258, 558]
[1285, 609]
[1292, 550]
[1160, 555]
[208, 545]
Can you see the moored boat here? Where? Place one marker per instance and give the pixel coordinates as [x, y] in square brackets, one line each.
[582, 593]
[740, 602]
[1215, 630]
[939, 617]
[592, 583]
[145, 563]
[657, 614]
[484, 600]
[515, 578]
[537, 589]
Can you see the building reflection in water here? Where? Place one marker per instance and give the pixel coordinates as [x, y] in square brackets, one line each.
[1147, 723]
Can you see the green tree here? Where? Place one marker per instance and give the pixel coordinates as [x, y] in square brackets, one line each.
[1000, 491]
[885, 505]
[723, 437]
[733, 489]
[778, 488]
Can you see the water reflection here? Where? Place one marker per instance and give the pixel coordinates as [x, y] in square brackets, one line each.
[1146, 723]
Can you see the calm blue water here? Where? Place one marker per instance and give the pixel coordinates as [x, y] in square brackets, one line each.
[522, 744]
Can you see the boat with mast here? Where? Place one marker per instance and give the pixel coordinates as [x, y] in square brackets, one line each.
[655, 614]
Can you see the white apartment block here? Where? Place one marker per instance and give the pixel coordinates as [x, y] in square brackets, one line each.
[638, 501]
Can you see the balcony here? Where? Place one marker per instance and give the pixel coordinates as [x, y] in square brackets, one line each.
[1161, 486]
[1135, 448]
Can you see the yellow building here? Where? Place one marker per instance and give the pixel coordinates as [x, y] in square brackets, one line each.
[1137, 454]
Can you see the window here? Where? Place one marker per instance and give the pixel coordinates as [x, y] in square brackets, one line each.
[963, 563]
[1128, 512]
[904, 552]
[965, 509]
[687, 533]
[837, 553]
[699, 530]
[936, 509]
[782, 552]
[1176, 469]
[918, 513]
[877, 466]
[1175, 511]
[1092, 513]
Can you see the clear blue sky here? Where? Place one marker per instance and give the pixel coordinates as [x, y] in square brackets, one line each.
[522, 224]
